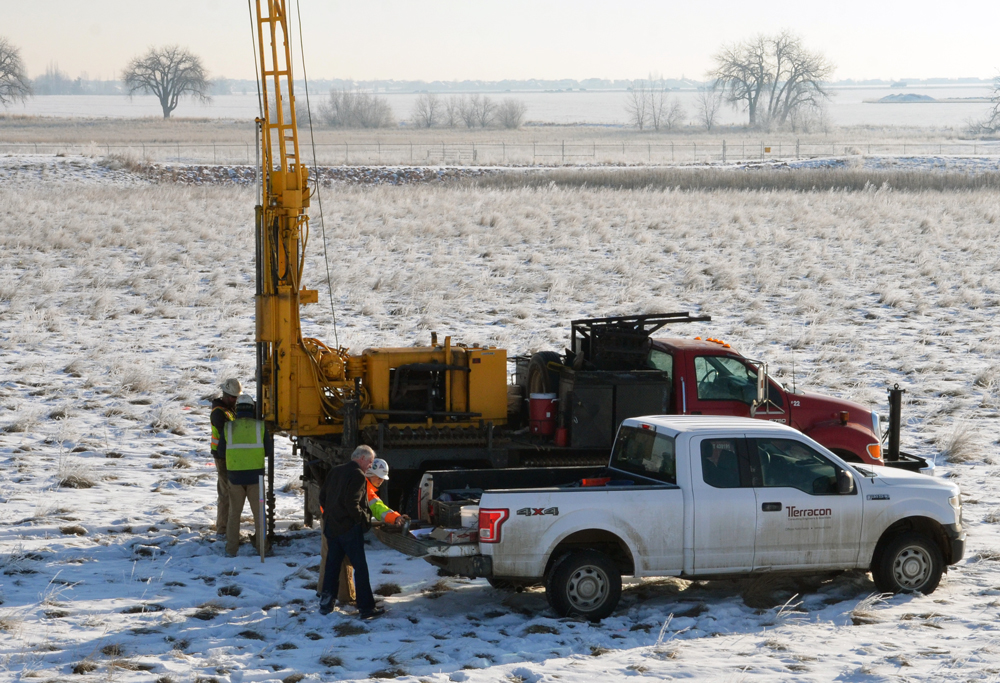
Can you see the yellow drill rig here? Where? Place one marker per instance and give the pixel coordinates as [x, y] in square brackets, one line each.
[327, 398]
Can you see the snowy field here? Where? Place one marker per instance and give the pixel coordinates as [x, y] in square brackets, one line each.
[124, 303]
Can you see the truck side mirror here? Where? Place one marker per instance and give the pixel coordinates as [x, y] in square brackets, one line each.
[845, 482]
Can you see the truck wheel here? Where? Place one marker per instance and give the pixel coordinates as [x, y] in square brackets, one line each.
[911, 562]
[584, 584]
[542, 380]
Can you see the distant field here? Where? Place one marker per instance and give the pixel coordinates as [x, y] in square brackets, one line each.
[231, 141]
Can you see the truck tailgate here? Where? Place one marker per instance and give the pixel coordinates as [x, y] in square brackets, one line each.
[422, 547]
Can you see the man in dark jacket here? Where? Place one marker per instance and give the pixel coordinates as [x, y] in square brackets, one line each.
[223, 412]
[344, 504]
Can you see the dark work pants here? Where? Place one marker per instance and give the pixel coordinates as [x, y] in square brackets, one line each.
[351, 545]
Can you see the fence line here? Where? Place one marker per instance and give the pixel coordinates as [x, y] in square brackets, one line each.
[521, 153]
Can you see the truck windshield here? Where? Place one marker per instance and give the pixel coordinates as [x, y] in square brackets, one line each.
[646, 453]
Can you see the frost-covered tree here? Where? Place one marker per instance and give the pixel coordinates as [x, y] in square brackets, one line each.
[772, 77]
[990, 124]
[169, 73]
[510, 113]
[14, 83]
[426, 110]
[357, 109]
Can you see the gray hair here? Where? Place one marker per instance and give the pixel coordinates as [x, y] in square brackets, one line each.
[363, 454]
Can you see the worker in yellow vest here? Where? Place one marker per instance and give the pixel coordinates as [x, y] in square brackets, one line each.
[247, 447]
[222, 412]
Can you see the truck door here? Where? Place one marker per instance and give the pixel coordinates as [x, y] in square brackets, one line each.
[802, 521]
[728, 386]
[723, 386]
[725, 507]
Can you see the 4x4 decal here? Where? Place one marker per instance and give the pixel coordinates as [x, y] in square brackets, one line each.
[532, 512]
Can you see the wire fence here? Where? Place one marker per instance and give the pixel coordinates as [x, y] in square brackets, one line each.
[514, 153]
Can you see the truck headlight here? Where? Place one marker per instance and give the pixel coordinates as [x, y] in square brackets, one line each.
[876, 426]
[956, 502]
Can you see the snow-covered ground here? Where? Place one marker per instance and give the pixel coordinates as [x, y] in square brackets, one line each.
[123, 303]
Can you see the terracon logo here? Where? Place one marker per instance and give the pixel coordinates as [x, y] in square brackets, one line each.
[878, 496]
[532, 512]
[809, 512]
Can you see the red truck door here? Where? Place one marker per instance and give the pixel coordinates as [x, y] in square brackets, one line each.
[724, 385]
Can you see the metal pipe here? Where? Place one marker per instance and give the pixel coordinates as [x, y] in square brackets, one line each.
[895, 410]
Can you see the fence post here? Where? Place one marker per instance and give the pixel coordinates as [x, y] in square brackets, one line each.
[532, 152]
[723, 151]
[564, 151]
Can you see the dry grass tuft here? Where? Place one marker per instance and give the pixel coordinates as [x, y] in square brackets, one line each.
[387, 589]
[345, 629]
[74, 475]
[864, 612]
[962, 445]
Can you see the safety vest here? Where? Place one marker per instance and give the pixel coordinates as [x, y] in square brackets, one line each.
[379, 510]
[245, 444]
[230, 416]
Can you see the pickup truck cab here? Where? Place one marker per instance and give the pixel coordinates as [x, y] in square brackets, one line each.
[695, 497]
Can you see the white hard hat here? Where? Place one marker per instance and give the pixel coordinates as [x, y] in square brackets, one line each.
[379, 468]
[244, 400]
[231, 387]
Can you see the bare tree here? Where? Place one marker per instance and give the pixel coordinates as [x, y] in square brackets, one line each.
[707, 105]
[637, 104]
[452, 111]
[990, 124]
[467, 108]
[772, 77]
[169, 73]
[356, 109]
[674, 115]
[14, 83]
[483, 110]
[426, 110]
[510, 113]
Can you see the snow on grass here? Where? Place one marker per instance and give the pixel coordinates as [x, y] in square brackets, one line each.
[125, 304]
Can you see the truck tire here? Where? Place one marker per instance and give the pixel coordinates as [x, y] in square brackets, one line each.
[909, 563]
[584, 583]
[542, 380]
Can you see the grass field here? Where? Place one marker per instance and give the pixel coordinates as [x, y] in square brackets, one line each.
[123, 307]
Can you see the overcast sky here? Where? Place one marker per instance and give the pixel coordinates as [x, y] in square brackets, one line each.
[518, 39]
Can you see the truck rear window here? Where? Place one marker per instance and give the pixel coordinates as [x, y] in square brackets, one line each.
[646, 453]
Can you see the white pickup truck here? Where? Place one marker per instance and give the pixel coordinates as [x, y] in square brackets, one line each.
[691, 496]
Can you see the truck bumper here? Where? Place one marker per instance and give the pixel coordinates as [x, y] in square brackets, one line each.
[956, 535]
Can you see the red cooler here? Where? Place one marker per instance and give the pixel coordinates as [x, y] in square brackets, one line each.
[542, 413]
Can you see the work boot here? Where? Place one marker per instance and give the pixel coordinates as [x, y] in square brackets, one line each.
[325, 603]
[371, 613]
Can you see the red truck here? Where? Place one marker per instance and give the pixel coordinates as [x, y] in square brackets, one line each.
[617, 369]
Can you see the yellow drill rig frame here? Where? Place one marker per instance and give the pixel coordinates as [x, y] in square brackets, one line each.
[306, 388]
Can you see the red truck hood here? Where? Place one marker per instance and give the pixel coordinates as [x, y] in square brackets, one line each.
[818, 408]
